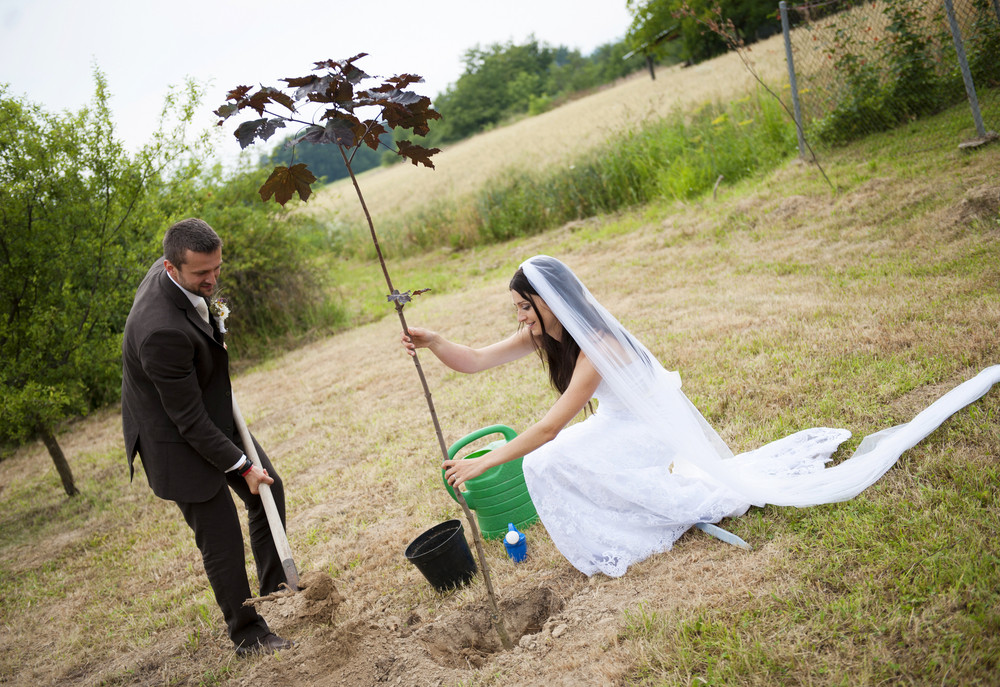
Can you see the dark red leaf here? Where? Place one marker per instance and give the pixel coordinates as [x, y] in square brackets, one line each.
[313, 134]
[336, 64]
[258, 128]
[373, 133]
[268, 94]
[280, 97]
[298, 81]
[404, 97]
[345, 67]
[258, 101]
[247, 131]
[417, 154]
[226, 111]
[414, 116]
[284, 182]
[237, 92]
[341, 131]
[404, 80]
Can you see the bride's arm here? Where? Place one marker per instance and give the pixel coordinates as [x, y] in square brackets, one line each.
[579, 392]
[465, 358]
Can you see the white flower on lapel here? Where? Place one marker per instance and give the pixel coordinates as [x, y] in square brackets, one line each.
[220, 310]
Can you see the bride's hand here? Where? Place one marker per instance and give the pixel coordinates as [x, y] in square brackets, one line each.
[458, 471]
[418, 338]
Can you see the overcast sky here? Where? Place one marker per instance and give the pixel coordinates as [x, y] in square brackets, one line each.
[48, 48]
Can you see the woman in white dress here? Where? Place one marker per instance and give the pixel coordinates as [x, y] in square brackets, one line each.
[645, 466]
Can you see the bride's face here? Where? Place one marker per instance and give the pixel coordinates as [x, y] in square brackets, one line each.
[528, 316]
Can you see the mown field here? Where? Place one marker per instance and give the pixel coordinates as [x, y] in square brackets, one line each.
[550, 140]
[783, 303]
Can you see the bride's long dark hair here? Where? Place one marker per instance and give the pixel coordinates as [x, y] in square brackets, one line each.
[558, 355]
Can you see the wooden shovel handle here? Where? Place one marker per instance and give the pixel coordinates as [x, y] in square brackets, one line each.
[273, 518]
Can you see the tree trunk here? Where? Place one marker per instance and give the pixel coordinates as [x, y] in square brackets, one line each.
[59, 459]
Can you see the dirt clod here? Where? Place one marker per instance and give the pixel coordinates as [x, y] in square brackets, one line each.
[315, 602]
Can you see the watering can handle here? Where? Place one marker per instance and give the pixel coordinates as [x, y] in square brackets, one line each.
[506, 431]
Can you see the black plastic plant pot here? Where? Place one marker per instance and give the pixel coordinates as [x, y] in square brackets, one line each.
[442, 554]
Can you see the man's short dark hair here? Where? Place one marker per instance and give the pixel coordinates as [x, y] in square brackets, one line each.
[189, 234]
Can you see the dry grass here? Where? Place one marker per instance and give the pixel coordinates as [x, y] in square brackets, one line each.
[782, 305]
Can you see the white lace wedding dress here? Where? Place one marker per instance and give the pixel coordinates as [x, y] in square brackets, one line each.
[610, 495]
[628, 481]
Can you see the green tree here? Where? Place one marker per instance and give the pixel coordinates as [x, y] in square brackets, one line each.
[80, 224]
[505, 80]
[498, 81]
[653, 21]
[71, 222]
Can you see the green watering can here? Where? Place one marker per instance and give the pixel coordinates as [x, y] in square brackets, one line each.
[499, 495]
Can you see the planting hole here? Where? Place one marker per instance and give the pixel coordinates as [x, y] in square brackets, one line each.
[467, 637]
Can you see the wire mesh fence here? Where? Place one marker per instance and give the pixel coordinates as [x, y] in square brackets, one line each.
[867, 66]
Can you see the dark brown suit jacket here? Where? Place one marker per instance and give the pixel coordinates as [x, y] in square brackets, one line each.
[177, 408]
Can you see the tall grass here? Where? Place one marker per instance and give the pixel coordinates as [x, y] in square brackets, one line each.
[678, 157]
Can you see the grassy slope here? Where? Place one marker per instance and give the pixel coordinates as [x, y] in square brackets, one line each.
[556, 137]
[784, 306]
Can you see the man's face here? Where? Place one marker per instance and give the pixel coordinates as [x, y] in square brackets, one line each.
[199, 273]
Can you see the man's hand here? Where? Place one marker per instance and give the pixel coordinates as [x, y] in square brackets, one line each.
[256, 477]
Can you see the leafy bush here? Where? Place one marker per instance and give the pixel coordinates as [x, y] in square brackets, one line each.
[982, 45]
[82, 222]
[276, 291]
[906, 78]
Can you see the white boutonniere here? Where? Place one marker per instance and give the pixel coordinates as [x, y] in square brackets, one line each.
[220, 310]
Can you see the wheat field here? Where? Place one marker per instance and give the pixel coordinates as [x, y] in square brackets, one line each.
[555, 137]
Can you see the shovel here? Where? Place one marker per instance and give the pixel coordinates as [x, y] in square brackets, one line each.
[273, 519]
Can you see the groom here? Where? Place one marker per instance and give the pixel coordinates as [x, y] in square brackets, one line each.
[177, 414]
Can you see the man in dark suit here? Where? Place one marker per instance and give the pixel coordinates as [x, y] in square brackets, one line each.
[177, 414]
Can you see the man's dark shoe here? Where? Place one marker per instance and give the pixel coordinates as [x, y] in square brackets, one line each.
[268, 644]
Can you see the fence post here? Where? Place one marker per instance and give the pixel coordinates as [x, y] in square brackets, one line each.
[970, 87]
[785, 29]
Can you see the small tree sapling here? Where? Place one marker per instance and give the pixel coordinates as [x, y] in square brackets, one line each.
[340, 107]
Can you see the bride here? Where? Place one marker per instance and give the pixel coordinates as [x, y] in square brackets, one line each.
[645, 466]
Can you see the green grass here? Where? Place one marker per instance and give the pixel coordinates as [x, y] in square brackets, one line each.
[885, 588]
[783, 305]
[898, 586]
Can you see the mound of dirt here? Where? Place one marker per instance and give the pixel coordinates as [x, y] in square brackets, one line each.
[315, 602]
